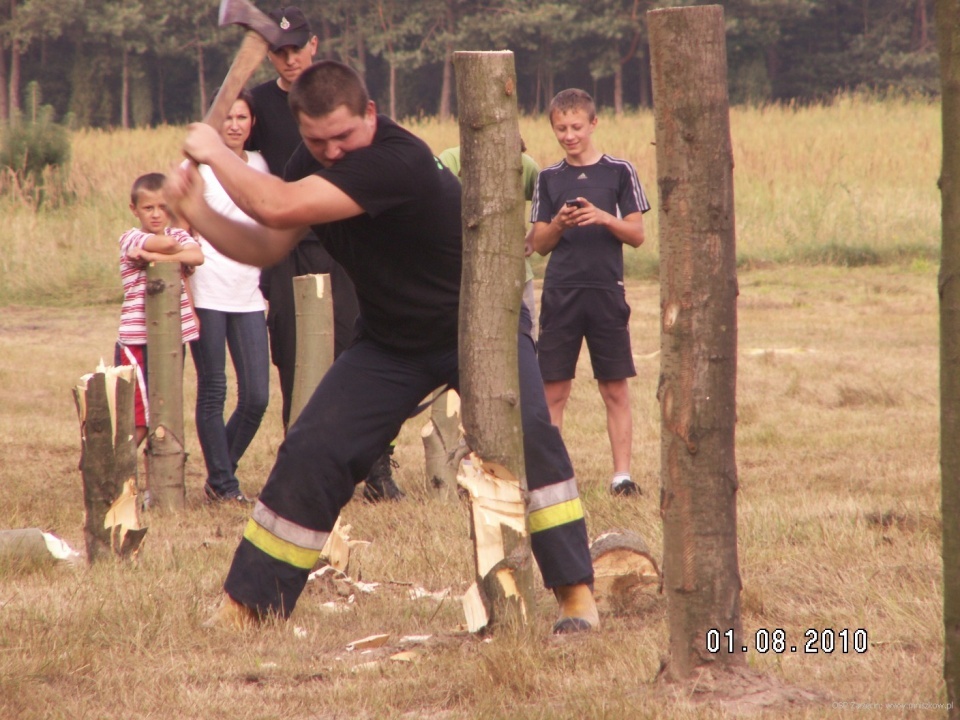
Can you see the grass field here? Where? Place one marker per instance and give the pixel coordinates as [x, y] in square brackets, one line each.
[837, 449]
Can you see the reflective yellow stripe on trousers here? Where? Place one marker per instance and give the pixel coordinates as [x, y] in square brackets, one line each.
[284, 540]
[554, 505]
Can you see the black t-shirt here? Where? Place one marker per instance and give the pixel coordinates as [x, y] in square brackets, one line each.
[588, 256]
[275, 134]
[404, 252]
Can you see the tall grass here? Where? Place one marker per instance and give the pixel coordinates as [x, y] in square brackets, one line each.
[853, 183]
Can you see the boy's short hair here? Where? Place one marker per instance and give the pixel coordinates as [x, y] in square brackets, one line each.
[573, 99]
[325, 86]
[151, 182]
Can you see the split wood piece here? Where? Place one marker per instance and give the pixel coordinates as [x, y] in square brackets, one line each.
[443, 445]
[313, 304]
[369, 642]
[336, 551]
[108, 448]
[123, 522]
[622, 566]
[498, 525]
[166, 455]
[29, 547]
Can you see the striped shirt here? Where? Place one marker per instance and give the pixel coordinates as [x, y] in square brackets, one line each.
[133, 313]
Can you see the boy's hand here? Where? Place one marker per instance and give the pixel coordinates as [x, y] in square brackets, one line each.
[568, 217]
[135, 255]
[586, 214]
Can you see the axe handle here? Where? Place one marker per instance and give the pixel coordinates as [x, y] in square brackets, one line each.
[252, 51]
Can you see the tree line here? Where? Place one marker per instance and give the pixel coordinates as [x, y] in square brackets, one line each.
[133, 63]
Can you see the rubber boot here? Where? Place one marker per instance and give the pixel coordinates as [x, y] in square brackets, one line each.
[379, 484]
[578, 609]
[231, 615]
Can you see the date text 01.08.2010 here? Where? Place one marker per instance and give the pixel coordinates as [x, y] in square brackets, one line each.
[827, 641]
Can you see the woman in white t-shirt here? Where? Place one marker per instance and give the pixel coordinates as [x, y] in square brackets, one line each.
[231, 309]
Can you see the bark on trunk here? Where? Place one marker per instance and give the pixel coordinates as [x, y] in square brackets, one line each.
[313, 304]
[4, 98]
[125, 91]
[443, 445]
[948, 41]
[165, 448]
[490, 293]
[108, 449]
[698, 335]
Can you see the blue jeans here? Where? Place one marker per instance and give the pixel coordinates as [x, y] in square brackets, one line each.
[224, 444]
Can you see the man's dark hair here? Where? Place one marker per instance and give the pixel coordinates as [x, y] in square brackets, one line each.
[573, 99]
[151, 182]
[325, 86]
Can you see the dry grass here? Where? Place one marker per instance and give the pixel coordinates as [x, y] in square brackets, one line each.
[838, 524]
[851, 184]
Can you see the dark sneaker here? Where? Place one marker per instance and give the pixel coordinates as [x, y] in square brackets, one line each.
[379, 484]
[235, 497]
[624, 487]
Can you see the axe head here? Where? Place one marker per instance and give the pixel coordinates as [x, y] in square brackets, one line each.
[245, 14]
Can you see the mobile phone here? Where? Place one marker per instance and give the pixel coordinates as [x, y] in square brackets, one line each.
[574, 203]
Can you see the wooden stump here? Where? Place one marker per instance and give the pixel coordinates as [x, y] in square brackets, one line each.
[166, 457]
[313, 302]
[501, 544]
[443, 445]
[108, 454]
[622, 567]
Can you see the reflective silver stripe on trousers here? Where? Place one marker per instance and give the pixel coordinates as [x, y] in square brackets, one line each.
[289, 531]
[555, 494]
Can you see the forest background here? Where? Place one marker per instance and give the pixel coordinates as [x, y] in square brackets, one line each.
[129, 63]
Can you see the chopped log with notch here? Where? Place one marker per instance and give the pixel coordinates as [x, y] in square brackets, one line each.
[262, 32]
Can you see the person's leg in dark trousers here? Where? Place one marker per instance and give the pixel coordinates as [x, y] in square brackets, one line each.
[247, 342]
[359, 406]
[558, 531]
[210, 357]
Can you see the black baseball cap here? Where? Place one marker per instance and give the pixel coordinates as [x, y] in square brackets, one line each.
[293, 24]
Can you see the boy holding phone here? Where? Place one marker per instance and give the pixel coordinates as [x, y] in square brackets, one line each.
[585, 208]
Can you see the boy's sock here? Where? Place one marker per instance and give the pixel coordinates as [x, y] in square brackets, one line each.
[621, 484]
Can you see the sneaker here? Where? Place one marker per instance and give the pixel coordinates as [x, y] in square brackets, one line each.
[624, 486]
[379, 484]
[236, 496]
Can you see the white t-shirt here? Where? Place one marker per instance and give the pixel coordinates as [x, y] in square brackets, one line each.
[221, 283]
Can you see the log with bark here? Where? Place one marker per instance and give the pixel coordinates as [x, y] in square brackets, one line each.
[623, 567]
[108, 448]
[443, 445]
[313, 303]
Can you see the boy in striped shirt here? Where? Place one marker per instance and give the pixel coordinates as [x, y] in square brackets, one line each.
[152, 241]
[585, 209]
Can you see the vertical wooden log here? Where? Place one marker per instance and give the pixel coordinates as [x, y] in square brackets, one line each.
[490, 294]
[166, 458]
[313, 303]
[443, 446]
[108, 454]
[948, 41]
[698, 335]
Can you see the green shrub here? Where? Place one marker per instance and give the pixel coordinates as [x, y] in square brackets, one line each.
[34, 156]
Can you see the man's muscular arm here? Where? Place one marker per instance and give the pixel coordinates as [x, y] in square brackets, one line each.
[268, 199]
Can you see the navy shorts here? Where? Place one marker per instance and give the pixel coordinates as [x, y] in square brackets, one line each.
[567, 316]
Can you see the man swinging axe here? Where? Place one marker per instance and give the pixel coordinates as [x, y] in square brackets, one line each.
[390, 214]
